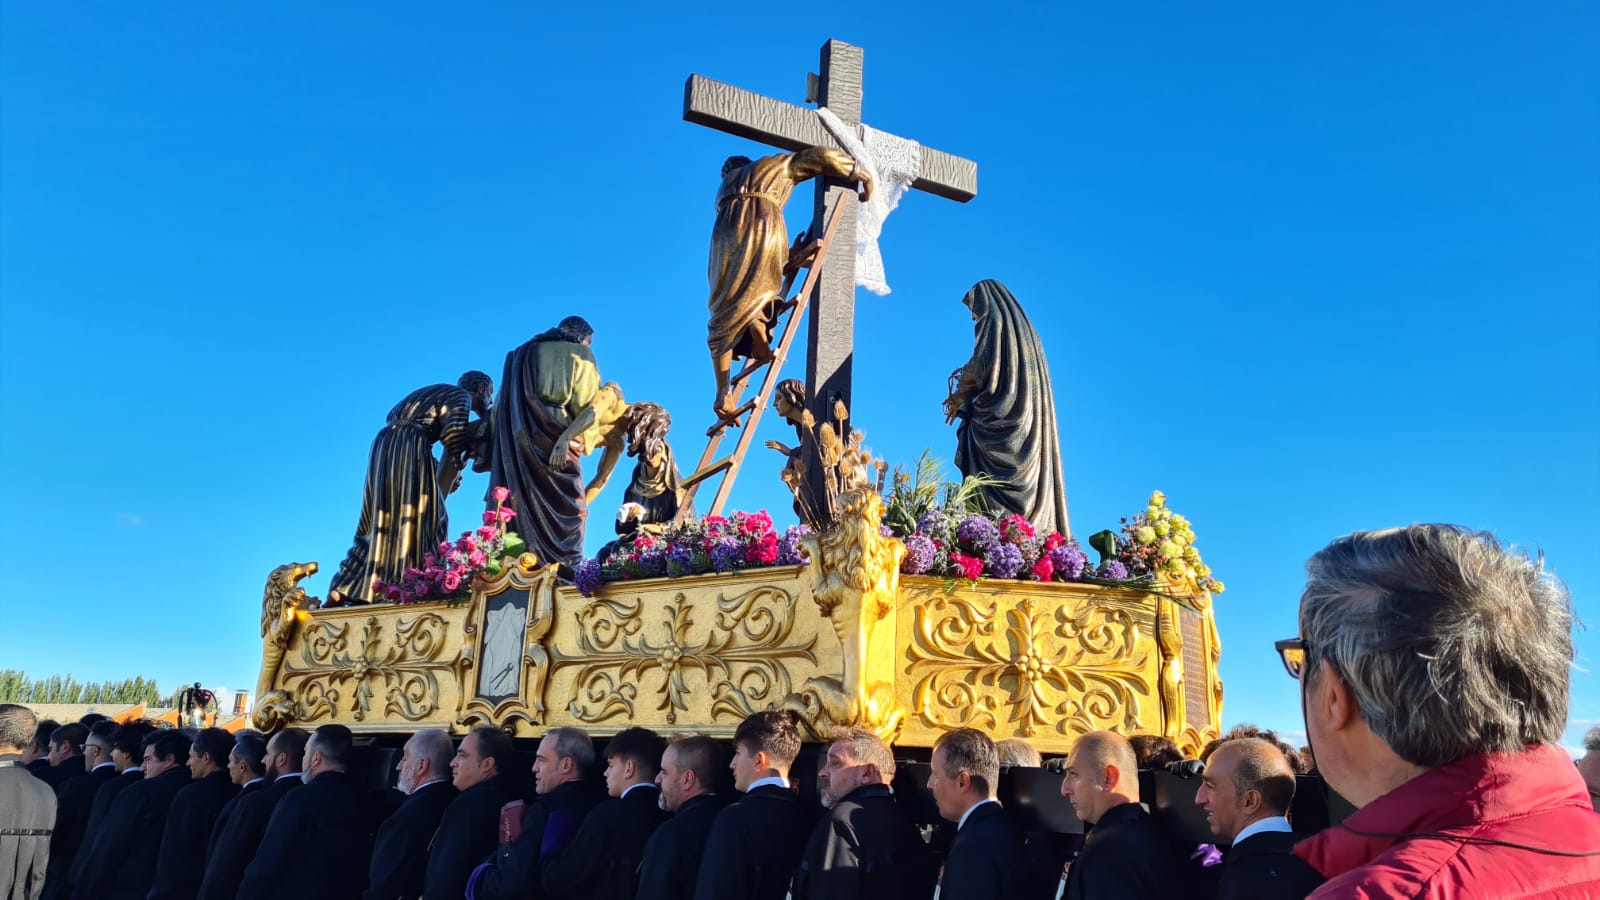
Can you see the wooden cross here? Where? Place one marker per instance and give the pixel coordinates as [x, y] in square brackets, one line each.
[830, 343]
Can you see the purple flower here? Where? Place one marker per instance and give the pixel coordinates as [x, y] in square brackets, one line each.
[653, 561]
[885, 531]
[680, 559]
[977, 531]
[1031, 548]
[727, 554]
[920, 555]
[588, 577]
[1114, 571]
[932, 520]
[1003, 560]
[1068, 562]
[789, 545]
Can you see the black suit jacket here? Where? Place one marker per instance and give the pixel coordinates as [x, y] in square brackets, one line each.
[1263, 867]
[122, 858]
[188, 833]
[988, 858]
[73, 804]
[467, 835]
[1124, 858]
[602, 862]
[549, 825]
[104, 798]
[61, 773]
[316, 845]
[238, 832]
[672, 855]
[754, 847]
[400, 855]
[865, 847]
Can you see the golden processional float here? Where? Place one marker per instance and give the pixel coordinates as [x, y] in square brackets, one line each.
[904, 608]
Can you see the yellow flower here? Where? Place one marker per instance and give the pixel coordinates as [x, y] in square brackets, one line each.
[1191, 553]
[1163, 529]
[1170, 550]
[1203, 570]
[1216, 586]
[1180, 521]
[1158, 499]
[1146, 534]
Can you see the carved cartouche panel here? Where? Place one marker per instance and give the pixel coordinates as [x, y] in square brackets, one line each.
[685, 654]
[373, 668]
[1043, 662]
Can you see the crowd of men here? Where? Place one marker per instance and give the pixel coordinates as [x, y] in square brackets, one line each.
[1433, 666]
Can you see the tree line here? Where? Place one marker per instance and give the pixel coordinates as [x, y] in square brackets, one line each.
[17, 687]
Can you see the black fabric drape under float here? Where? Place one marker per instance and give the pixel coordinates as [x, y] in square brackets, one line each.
[1008, 428]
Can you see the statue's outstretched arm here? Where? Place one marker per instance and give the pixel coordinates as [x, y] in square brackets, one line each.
[814, 161]
[603, 470]
[558, 453]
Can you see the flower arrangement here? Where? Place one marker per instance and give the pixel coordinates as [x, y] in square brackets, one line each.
[969, 546]
[448, 570]
[1159, 542]
[713, 544]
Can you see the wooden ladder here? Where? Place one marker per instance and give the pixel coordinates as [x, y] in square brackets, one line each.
[811, 254]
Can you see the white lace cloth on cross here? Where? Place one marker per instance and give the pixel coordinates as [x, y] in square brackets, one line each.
[894, 164]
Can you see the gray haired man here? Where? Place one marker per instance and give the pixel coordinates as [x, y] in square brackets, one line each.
[1434, 669]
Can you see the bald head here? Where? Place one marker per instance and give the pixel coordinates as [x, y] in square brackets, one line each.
[1245, 780]
[1102, 773]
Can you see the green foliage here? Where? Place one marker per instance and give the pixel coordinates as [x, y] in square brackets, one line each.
[17, 687]
[914, 494]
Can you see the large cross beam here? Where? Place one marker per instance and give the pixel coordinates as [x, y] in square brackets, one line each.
[830, 344]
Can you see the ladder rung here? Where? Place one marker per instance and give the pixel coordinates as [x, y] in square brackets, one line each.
[731, 421]
[748, 370]
[708, 471]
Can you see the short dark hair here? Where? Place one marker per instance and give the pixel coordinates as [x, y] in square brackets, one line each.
[71, 734]
[473, 381]
[250, 748]
[1154, 751]
[775, 732]
[129, 737]
[496, 745]
[641, 745]
[89, 720]
[215, 743]
[970, 750]
[334, 742]
[17, 725]
[702, 756]
[169, 743]
[734, 162]
[1256, 770]
[42, 733]
[292, 743]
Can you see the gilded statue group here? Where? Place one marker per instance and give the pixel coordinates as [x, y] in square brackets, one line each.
[552, 408]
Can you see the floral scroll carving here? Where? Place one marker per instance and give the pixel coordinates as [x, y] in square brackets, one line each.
[744, 658]
[402, 670]
[1069, 668]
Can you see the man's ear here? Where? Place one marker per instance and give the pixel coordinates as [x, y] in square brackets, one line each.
[1331, 697]
[1250, 802]
[1113, 777]
[763, 761]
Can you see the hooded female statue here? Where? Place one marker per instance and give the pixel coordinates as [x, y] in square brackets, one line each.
[1008, 412]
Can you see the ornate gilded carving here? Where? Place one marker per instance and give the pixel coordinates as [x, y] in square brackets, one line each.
[857, 576]
[1169, 638]
[1069, 668]
[744, 658]
[334, 666]
[527, 702]
[281, 604]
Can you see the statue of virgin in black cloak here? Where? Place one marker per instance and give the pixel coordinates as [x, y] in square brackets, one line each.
[546, 404]
[1008, 413]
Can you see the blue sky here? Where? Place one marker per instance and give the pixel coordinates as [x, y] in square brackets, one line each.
[1306, 270]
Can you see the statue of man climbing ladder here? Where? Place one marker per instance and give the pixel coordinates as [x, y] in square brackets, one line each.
[837, 123]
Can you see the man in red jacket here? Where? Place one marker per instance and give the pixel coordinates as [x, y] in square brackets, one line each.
[1434, 680]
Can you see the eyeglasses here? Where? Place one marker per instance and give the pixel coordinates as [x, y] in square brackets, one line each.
[1293, 653]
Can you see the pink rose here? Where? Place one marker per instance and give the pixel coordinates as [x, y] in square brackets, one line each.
[487, 533]
[502, 494]
[1044, 569]
[505, 513]
[490, 517]
[477, 558]
[451, 583]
